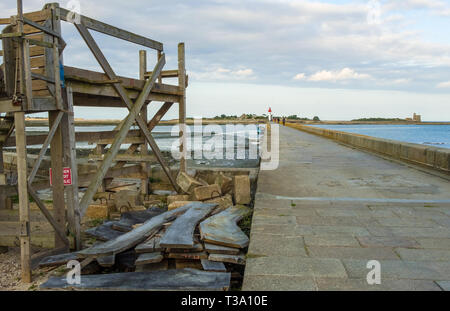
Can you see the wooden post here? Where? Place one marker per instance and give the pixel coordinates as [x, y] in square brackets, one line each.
[144, 116]
[2, 191]
[182, 105]
[24, 209]
[70, 156]
[56, 156]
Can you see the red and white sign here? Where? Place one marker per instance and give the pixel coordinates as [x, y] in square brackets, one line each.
[67, 176]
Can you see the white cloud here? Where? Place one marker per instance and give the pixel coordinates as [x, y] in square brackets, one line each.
[443, 85]
[223, 74]
[339, 75]
[300, 76]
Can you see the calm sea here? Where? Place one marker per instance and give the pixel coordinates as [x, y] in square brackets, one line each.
[433, 135]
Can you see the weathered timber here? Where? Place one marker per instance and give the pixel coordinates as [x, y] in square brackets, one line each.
[220, 249]
[106, 261]
[134, 237]
[236, 259]
[57, 260]
[104, 232]
[150, 246]
[163, 265]
[147, 258]
[192, 256]
[181, 233]
[222, 229]
[183, 279]
[216, 266]
[112, 31]
[198, 247]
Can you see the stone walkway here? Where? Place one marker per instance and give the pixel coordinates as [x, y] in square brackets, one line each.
[329, 209]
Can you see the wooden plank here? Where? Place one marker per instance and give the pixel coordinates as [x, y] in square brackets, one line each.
[106, 261]
[182, 105]
[209, 265]
[104, 232]
[134, 115]
[164, 74]
[150, 246]
[27, 74]
[38, 85]
[37, 62]
[192, 256]
[181, 233]
[113, 31]
[40, 27]
[36, 51]
[99, 79]
[219, 249]
[222, 229]
[57, 260]
[134, 237]
[56, 156]
[73, 211]
[143, 147]
[236, 259]
[25, 251]
[147, 258]
[175, 279]
[126, 157]
[198, 247]
[44, 147]
[56, 226]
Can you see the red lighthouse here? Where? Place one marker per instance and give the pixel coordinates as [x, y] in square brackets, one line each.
[270, 114]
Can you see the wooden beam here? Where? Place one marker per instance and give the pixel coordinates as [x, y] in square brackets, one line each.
[124, 96]
[165, 74]
[40, 27]
[56, 155]
[144, 148]
[182, 105]
[58, 230]
[134, 237]
[133, 115]
[113, 31]
[44, 147]
[24, 209]
[73, 211]
[181, 233]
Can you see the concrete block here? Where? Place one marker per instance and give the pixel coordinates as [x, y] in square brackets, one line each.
[223, 202]
[351, 252]
[334, 284]
[187, 183]
[207, 192]
[96, 211]
[391, 241]
[174, 198]
[330, 240]
[242, 189]
[276, 245]
[178, 204]
[2, 179]
[125, 200]
[225, 183]
[424, 254]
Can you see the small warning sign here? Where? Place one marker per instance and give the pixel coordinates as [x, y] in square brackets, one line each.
[67, 176]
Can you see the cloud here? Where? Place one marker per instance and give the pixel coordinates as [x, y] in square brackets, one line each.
[300, 76]
[443, 85]
[222, 74]
[340, 75]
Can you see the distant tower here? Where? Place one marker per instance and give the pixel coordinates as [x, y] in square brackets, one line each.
[417, 117]
[270, 114]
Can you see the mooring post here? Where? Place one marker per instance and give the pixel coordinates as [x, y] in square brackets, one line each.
[182, 105]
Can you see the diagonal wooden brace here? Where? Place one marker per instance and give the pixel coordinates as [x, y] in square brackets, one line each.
[120, 137]
[124, 96]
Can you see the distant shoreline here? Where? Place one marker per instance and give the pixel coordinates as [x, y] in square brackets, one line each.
[83, 122]
[370, 122]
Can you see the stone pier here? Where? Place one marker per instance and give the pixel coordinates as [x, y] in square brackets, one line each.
[329, 209]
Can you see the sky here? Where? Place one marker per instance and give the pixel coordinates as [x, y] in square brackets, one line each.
[338, 60]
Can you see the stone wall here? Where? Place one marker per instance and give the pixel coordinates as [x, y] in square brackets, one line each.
[428, 156]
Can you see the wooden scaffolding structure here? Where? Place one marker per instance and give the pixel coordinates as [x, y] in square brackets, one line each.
[35, 80]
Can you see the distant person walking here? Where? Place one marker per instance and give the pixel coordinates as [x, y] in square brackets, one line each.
[284, 121]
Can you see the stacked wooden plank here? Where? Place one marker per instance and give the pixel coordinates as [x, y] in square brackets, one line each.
[195, 244]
